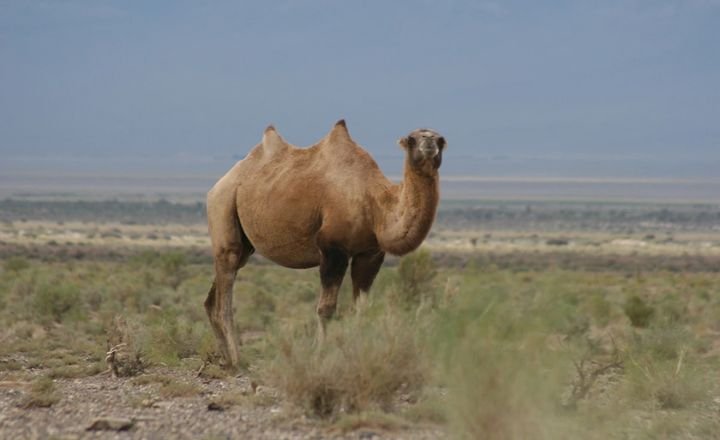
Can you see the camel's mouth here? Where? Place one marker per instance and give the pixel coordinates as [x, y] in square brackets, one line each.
[429, 149]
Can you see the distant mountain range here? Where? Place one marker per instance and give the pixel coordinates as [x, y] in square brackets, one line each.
[464, 177]
[453, 165]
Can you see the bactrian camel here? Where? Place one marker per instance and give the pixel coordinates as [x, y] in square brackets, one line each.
[328, 205]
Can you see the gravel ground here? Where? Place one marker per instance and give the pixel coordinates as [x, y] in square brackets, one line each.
[86, 400]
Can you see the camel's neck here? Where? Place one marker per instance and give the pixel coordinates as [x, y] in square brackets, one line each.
[408, 219]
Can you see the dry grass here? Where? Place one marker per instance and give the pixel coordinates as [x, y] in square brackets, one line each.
[212, 371]
[43, 394]
[233, 398]
[75, 371]
[363, 364]
[373, 420]
[667, 379]
[148, 379]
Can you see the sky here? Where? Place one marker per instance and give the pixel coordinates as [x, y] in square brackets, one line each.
[186, 80]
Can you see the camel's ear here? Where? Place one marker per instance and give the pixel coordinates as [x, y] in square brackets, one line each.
[406, 142]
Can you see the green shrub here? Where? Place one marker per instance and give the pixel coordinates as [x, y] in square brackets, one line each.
[169, 337]
[416, 274]
[57, 302]
[16, 264]
[638, 311]
[172, 265]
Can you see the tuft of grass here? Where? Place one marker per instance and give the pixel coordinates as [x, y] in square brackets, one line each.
[230, 399]
[10, 365]
[363, 364]
[145, 400]
[169, 387]
[638, 311]
[43, 394]
[666, 375]
[174, 389]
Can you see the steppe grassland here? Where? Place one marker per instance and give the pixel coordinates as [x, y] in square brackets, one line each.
[490, 352]
[490, 337]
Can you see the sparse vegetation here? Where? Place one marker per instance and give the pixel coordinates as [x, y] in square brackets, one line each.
[555, 344]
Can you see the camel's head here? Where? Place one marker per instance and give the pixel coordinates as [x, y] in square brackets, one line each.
[424, 149]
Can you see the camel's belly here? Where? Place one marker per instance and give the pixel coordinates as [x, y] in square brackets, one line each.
[298, 255]
[286, 240]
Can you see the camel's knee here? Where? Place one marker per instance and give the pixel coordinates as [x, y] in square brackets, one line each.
[210, 301]
[326, 309]
[230, 259]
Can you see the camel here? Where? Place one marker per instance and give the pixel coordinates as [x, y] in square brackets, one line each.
[328, 205]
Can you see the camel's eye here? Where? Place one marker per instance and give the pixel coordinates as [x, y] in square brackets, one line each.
[441, 142]
[410, 142]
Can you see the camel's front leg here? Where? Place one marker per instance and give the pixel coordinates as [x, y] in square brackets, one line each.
[365, 268]
[333, 265]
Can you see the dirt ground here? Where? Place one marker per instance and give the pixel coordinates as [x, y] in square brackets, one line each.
[86, 401]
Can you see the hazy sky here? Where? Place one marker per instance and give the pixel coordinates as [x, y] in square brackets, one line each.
[519, 78]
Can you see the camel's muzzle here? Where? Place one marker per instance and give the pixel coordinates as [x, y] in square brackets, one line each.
[429, 149]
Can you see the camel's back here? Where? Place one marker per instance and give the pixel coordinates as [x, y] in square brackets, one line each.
[286, 195]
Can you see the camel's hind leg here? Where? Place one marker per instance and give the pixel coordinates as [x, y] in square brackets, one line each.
[333, 266]
[231, 250]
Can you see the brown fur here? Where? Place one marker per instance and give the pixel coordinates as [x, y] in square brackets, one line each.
[317, 206]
